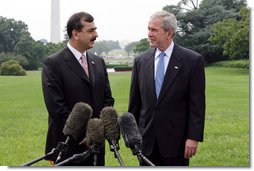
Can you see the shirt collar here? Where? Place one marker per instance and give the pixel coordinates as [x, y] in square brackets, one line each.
[75, 52]
[168, 51]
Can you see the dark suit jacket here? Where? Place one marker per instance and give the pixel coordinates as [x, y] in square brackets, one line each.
[65, 83]
[179, 112]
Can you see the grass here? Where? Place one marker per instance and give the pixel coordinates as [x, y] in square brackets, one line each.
[23, 119]
[227, 124]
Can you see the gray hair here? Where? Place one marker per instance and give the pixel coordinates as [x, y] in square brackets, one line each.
[168, 20]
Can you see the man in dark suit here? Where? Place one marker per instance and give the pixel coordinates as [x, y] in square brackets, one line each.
[169, 111]
[68, 78]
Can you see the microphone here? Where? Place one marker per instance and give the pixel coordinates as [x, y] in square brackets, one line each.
[132, 136]
[94, 137]
[93, 140]
[76, 124]
[94, 133]
[77, 120]
[109, 117]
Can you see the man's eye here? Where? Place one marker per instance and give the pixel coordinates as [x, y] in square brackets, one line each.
[91, 30]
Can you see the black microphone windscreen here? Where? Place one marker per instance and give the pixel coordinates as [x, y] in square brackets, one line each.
[77, 121]
[111, 130]
[129, 130]
[94, 132]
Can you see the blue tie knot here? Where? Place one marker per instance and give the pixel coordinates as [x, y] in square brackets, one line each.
[162, 54]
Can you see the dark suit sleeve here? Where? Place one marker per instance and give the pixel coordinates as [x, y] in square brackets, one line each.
[197, 101]
[109, 100]
[52, 91]
[134, 97]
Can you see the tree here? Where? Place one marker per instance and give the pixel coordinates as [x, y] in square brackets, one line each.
[10, 33]
[105, 46]
[25, 48]
[16, 43]
[194, 25]
[129, 48]
[11, 56]
[141, 46]
[53, 48]
[235, 43]
[191, 4]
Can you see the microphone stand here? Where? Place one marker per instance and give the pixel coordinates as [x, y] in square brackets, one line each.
[79, 157]
[63, 150]
[95, 152]
[60, 147]
[140, 156]
[76, 157]
[115, 147]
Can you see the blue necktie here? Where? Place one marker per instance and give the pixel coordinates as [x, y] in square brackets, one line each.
[159, 74]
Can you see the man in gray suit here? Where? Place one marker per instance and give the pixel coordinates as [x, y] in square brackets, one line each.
[167, 96]
[73, 75]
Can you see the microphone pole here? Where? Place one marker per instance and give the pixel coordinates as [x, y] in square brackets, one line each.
[142, 157]
[40, 158]
[76, 157]
[114, 147]
[136, 151]
[95, 151]
[63, 150]
[60, 147]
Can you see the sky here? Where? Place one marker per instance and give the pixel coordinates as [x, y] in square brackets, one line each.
[123, 20]
[115, 19]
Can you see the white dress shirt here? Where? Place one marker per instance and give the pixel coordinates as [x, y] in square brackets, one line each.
[76, 53]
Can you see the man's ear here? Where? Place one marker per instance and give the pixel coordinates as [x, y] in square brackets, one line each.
[75, 34]
[171, 33]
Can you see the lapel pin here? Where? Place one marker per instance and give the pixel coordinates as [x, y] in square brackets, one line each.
[176, 67]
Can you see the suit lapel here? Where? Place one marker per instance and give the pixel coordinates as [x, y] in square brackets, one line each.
[173, 68]
[149, 73]
[74, 65]
[91, 67]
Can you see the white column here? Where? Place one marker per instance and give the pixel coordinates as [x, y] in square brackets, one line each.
[55, 22]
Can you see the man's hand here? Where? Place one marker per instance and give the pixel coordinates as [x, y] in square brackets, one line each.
[191, 147]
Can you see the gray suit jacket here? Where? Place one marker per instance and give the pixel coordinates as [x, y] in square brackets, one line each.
[179, 111]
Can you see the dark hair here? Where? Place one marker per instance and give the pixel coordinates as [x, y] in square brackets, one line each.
[74, 22]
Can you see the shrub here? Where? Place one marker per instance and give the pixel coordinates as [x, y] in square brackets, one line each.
[233, 64]
[116, 65]
[10, 56]
[11, 67]
[120, 67]
[123, 68]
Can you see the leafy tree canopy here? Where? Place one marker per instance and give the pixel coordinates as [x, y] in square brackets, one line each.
[233, 35]
[195, 24]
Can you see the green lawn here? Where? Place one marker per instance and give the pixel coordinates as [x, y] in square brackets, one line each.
[23, 119]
